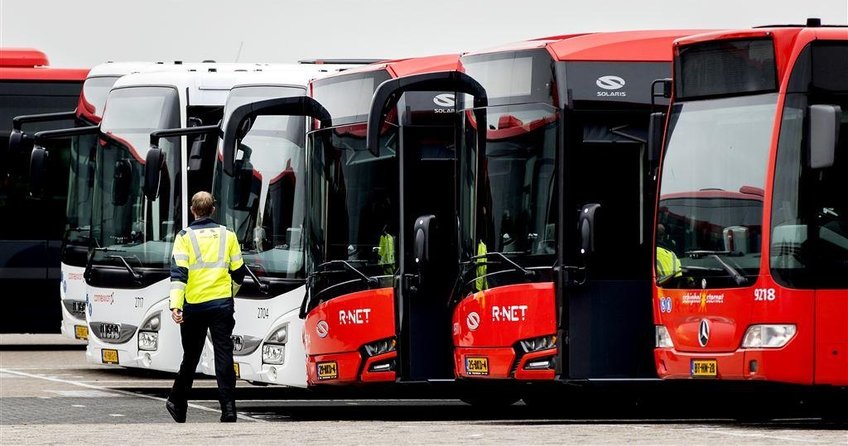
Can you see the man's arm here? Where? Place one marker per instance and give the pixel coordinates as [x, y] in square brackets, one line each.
[179, 272]
[237, 268]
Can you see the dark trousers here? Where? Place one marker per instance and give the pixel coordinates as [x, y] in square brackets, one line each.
[220, 322]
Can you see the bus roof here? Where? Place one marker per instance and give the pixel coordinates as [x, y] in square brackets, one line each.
[22, 58]
[651, 46]
[27, 64]
[624, 46]
[405, 67]
[210, 84]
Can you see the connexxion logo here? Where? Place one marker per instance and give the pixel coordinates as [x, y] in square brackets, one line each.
[610, 83]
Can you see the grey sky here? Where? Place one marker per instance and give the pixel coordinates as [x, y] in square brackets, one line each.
[287, 30]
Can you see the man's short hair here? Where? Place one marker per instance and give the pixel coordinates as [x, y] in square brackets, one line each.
[202, 204]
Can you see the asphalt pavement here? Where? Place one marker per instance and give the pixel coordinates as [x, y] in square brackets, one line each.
[49, 395]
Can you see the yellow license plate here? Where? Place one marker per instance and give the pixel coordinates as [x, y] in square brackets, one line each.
[236, 369]
[328, 370]
[109, 356]
[476, 365]
[704, 368]
[81, 332]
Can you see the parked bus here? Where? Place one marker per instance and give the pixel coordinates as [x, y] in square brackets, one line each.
[29, 253]
[261, 196]
[561, 138]
[83, 147]
[356, 324]
[134, 224]
[752, 218]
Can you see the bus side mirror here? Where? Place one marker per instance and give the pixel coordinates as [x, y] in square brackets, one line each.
[422, 239]
[656, 125]
[153, 166]
[823, 135]
[37, 171]
[121, 182]
[20, 142]
[587, 228]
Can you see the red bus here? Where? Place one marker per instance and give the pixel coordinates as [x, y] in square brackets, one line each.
[29, 253]
[565, 123]
[358, 209]
[752, 216]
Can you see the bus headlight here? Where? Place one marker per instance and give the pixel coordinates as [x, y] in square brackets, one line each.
[380, 347]
[280, 335]
[153, 322]
[538, 344]
[273, 354]
[663, 339]
[148, 334]
[768, 335]
[274, 349]
[148, 340]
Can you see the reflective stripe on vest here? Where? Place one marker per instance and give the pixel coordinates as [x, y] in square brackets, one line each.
[220, 261]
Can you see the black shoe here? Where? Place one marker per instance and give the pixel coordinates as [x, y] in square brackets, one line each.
[228, 412]
[178, 413]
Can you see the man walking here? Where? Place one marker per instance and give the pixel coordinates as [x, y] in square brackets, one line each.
[206, 272]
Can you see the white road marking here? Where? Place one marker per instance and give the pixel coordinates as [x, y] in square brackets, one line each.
[83, 393]
[120, 392]
[9, 376]
[78, 405]
[720, 431]
[116, 415]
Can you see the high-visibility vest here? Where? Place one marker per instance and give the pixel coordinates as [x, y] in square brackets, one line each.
[481, 283]
[668, 265]
[209, 254]
[386, 253]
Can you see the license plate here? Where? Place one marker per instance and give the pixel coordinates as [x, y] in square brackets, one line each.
[476, 365]
[328, 370]
[109, 356]
[704, 368]
[81, 332]
[236, 369]
[110, 331]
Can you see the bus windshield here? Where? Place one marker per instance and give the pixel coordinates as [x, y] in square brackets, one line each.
[263, 201]
[82, 162]
[507, 193]
[353, 207]
[710, 207]
[125, 225]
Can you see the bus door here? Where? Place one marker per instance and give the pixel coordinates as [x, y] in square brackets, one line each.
[427, 162]
[809, 227]
[607, 304]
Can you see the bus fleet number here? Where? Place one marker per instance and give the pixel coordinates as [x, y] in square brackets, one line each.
[262, 314]
[764, 294]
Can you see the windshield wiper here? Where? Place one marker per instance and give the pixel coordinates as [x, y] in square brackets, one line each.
[527, 272]
[348, 266]
[136, 276]
[263, 287]
[716, 255]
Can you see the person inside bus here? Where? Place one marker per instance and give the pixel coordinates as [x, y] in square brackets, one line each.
[668, 265]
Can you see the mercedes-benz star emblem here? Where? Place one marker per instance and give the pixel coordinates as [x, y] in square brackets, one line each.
[704, 333]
